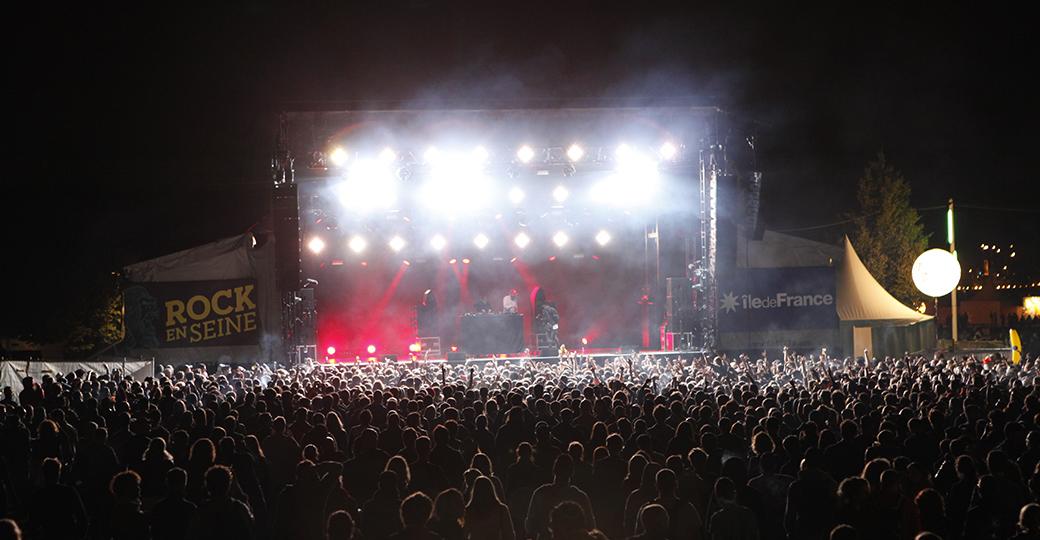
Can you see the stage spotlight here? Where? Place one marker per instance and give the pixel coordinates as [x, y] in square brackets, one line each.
[415, 347]
[516, 195]
[480, 240]
[387, 155]
[457, 182]
[338, 156]
[560, 239]
[452, 261]
[668, 151]
[438, 242]
[316, 245]
[584, 341]
[480, 154]
[465, 261]
[575, 153]
[603, 238]
[525, 154]
[406, 262]
[635, 181]
[623, 152]
[521, 240]
[369, 184]
[371, 349]
[431, 154]
[396, 243]
[357, 244]
[331, 350]
[560, 194]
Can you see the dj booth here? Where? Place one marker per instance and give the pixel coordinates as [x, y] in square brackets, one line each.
[486, 334]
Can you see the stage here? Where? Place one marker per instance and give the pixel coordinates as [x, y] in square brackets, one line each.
[600, 355]
[411, 221]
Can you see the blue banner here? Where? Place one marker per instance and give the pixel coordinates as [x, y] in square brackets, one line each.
[778, 299]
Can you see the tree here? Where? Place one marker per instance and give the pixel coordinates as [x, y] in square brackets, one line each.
[887, 232]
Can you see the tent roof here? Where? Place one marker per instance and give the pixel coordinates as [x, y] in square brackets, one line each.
[862, 298]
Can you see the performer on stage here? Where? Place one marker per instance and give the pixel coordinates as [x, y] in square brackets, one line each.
[482, 306]
[509, 302]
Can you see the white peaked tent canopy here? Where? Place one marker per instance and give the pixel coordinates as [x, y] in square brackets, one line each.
[862, 298]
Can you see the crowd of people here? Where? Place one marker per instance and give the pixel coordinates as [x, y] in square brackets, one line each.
[787, 447]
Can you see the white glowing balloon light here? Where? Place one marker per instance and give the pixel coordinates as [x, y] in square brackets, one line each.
[936, 272]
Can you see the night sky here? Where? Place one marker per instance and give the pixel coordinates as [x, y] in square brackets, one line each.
[138, 132]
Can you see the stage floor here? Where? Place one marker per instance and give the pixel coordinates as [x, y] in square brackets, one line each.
[595, 354]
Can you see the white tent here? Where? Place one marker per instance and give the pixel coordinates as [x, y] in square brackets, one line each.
[873, 319]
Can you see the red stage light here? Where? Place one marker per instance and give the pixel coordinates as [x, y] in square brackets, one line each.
[553, 258]
[331, 350]
[415, 347]
[364, 263]
[371, 349]
[454, 348]
[337, 262]
[584, 341]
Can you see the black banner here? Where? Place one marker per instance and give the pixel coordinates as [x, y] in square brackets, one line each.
[191, 314]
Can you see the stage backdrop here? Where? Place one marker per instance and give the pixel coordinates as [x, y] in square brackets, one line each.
[768, 308]
[213, 303]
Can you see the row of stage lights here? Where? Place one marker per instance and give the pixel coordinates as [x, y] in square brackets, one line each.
[458, 180]
[668, 151]
[358, 244]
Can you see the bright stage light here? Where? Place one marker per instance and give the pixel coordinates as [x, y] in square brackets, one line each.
[316, 245]
[331, 350]
[414, 347]
[521, 240]
[438, 242]
[387, 155]
[560, 239]
[480, 154]
[635, 181]
[603, 238]
[357, 244]
[622, 152]
[431, 154]
[338, 156]
[525, 154]
[516, 195]
[457, 183]
[584, 341]
[369, 184]
[575, 153]
[465, 261]
[480, 240]
[396, 243]
[560, 194]
[371, 349]
[668, 151]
